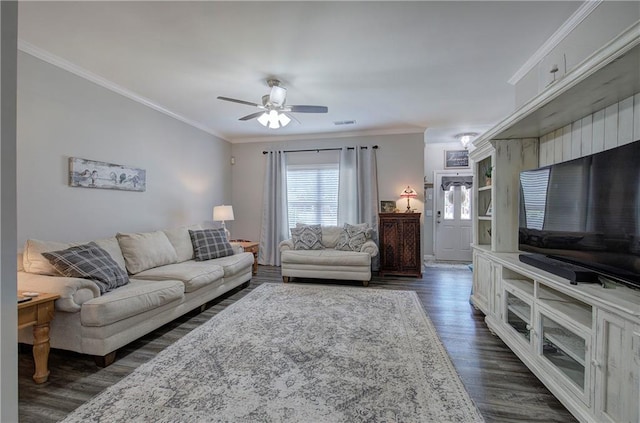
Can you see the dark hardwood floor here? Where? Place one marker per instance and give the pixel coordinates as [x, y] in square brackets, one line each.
[501, 386]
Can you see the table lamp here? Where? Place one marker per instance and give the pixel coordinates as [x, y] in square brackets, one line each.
[408, 193]
[222, 213]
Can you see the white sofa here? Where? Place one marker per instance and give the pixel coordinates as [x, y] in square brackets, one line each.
[327, 262]
[164, 283]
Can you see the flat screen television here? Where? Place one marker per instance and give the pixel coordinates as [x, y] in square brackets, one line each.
[586, 212]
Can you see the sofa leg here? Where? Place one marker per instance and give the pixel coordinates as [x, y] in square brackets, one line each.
[365, 283]
[203, 307]
[285, 279]
[105, 360]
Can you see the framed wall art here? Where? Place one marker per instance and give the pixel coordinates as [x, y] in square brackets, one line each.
[456, 159]
[92, 174]
[387, 206]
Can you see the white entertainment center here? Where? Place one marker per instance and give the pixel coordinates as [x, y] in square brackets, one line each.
[582, 341]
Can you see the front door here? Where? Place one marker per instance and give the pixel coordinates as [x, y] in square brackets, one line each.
[453, 233]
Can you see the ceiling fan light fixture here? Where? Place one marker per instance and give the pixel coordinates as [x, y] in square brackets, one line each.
[274, 122]
[278, 95]
[274, 114]
[264, 119]
[284, 119]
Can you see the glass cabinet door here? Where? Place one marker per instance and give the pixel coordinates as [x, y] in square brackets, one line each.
[565, 350]
[518, 315]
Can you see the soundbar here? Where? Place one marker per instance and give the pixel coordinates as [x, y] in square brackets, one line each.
[569, 271]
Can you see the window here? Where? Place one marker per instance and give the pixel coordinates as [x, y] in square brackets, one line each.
[534, 188]
[312, 194]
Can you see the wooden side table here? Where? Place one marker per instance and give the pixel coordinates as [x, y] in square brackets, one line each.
[38, 312]
[249, 247]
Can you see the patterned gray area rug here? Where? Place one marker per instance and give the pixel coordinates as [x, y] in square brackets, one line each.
[297, 353]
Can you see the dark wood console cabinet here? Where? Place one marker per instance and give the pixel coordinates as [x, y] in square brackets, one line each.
[400, 244]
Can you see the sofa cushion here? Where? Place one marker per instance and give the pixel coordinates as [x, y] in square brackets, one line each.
[193, 274]
[91, 262]
[210, 243]
[130, 300]
[146, 250]
[181, 241]
[307, 237]
[235, 264]
[353, 236]
[34, 262]
[326, 257]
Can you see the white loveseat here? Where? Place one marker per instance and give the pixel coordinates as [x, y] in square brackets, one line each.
[165, 282]
[327, 262]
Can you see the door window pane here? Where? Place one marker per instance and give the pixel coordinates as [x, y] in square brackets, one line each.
[465, 203]
[449, 203]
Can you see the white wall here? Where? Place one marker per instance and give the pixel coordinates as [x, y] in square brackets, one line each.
[61, 115]
[613, 126]
[399, 164]
[8, 323]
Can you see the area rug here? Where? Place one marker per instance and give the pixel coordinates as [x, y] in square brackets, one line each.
[297, 353]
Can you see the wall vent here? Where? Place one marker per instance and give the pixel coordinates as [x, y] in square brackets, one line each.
[344, 122]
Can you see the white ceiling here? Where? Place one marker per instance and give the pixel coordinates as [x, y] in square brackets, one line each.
[393, 67]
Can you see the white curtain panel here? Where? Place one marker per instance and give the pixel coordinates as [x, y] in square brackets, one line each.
[358, 189]
[275, 225]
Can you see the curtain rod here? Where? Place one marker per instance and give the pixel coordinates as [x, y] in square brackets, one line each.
[375, 147]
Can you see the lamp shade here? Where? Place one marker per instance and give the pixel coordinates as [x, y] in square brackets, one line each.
[223, 213]
[408, 192]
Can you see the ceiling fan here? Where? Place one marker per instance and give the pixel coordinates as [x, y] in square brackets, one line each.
[274, 113]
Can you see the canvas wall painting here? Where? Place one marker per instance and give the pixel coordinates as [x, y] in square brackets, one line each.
[92, 174]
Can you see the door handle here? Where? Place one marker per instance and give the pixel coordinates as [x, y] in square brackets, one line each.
[438, 216]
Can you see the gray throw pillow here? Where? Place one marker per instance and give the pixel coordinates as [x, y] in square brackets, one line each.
[353, 236]
[307, 237]
[90, 262]
[210, 243]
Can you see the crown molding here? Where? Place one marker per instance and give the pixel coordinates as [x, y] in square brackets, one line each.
[331, 135]
[617, 47]
[61, 63]
[561, 33]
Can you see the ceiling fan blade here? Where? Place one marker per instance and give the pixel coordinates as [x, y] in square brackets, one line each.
[233, 100]
[251, 116]
[308, 109]
[294, 118]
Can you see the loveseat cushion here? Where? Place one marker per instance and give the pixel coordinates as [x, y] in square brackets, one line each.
[91, 262]
[326, 257]
[146, 250]
[181, 241]
[34, 262]
[210, 244]
[193, 274]
[135, 298]
[330, 235]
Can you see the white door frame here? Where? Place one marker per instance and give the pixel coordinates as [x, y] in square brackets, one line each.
[436, 174]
